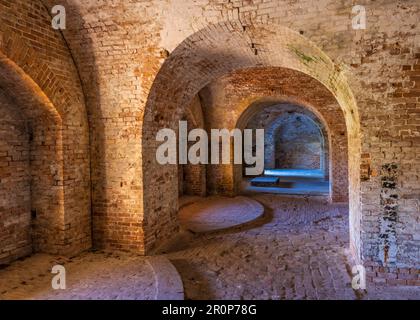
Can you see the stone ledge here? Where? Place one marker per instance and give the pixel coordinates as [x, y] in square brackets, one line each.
[219, 213]
[169, 285]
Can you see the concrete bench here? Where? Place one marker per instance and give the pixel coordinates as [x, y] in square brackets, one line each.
[265, 181]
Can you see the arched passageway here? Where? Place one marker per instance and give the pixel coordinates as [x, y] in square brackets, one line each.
[143, 65]
[45, 169]
[296, 152]
[32, 166]
[299, 144]
[235, 99]
[201, 59]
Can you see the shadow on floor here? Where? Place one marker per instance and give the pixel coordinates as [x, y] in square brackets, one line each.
[195, 284]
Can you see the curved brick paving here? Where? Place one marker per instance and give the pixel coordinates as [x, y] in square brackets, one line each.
[168, 282]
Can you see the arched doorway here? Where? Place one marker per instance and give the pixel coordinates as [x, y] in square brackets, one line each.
[37, 160]
[43, 166]
[208, 55]
[299, 144]
[296, 151]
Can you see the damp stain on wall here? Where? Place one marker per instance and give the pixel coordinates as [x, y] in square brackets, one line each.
[389, 218]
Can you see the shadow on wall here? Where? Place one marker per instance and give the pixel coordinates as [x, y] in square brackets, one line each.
[32, 168]
[84, 55]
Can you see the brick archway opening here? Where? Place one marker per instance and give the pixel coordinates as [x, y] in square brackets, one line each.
[32, 167]
[208, 55]
[307, 162]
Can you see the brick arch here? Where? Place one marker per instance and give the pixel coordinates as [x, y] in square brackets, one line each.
[44, 66]
[45, 126]
[207, 55]
[25, 91]
[248, 91]
[52, 161]
[49, 82]
[337, 165]
[297, 104]
[274, 126]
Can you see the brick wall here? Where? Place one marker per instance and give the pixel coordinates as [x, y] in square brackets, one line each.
[193, 177]
[298, 145]
[142, 62]
[15, 193]
[37, 73]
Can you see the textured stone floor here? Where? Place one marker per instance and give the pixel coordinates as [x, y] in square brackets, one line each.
[89, 276]
[297, 251]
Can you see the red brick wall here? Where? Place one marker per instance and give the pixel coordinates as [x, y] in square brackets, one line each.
[393, 276]
[38, 73]
[193, 180]
[139, 76]
[15, 192]
[272, 118]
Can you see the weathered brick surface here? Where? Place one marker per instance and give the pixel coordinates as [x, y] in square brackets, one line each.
[274, 118]
[15, 193]
[248, 93]
[38, 76]
[193, 178]
[299, 144]
[142, 62]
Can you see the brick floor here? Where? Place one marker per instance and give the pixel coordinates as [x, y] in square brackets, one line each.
[93, 275]
[297, 251]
